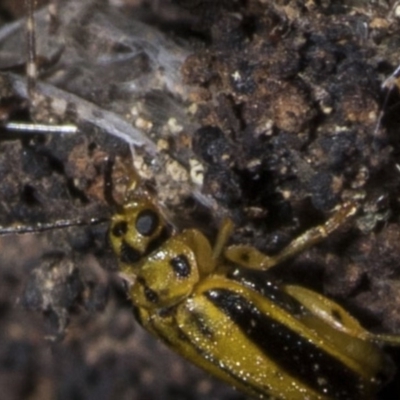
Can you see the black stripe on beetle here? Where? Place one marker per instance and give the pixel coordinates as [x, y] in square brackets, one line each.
[199, 320]
[301, 357]
[256, 280]
[203, 353]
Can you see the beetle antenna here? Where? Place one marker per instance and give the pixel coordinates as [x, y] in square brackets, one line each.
[19, 229]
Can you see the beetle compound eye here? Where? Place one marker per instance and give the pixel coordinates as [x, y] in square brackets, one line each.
[181, 266]
[120, 229]
[147, 222]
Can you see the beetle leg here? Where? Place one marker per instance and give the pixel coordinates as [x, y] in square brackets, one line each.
[335, 315]
[250, 257]
[327, 310]
[224, 232]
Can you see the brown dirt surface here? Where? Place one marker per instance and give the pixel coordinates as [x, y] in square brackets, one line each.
[270, 113]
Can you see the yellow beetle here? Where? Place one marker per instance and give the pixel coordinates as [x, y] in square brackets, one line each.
[215, 307]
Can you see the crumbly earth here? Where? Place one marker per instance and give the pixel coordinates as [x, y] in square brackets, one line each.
[279, 112]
